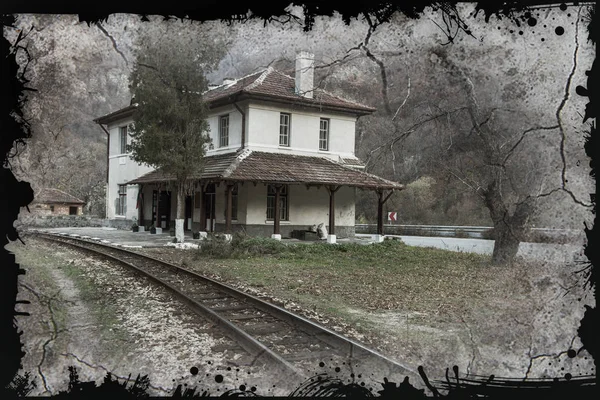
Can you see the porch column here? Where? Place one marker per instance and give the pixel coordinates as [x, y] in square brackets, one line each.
[276, 234]
[331, 238]
[228, 209]
[381, 201]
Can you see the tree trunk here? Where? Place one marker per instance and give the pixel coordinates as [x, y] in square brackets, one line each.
[509, 229]
[180, 213]
[506, 244]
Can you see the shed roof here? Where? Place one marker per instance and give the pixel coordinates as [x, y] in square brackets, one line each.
[255, 166]
[54, 196]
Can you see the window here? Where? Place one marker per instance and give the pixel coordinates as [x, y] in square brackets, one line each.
[284, 129]
[234, 203]
[51, 208]
[122, 200]
[283, 203]
[123, 137]
[224, 131]
[324, 135]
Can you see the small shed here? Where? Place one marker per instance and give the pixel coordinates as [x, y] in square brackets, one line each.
[50, 201]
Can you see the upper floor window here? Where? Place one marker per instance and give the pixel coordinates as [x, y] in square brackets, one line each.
[224, 130]
[283, 203]
[324, 134]
[123, 139]
[284, 129]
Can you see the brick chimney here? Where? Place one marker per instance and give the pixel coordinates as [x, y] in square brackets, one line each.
[305, 68]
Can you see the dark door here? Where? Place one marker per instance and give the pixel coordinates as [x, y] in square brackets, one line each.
[164, 210]
[72, 210]
[187, 225]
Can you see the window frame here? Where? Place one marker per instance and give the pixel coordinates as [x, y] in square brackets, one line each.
[234, 203]
[123, 132]
[224, 130]
[288, 129]
[122, 201]
[325, 131]
[283, 198]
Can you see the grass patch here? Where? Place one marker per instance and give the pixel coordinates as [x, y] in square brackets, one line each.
[381, 276]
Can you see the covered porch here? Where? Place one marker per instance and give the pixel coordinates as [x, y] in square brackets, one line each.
[265, 194]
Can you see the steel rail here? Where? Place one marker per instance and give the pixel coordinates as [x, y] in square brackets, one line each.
[350, 347]
[248, 343]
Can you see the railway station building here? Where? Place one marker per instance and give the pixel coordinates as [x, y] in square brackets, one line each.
[281, 160]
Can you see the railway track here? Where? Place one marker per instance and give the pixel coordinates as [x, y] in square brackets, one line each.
[272, 335]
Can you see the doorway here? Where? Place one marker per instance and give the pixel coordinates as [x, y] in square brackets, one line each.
[164, 210]
[72, 210]
[187, 226]
[209, 207]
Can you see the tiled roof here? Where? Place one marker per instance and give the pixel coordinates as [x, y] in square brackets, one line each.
[214, 167]
[268, 84]
[355, 162]
[48, 196]
[275, 85]
[258, 166]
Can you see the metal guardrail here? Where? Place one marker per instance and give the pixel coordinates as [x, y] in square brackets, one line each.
[476, 232]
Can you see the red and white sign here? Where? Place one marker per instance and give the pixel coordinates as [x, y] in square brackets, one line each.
[392, 216]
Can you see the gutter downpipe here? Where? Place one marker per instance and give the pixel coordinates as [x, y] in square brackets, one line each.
[243, 124]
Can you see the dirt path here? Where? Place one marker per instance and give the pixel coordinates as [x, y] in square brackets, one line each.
[102, 318]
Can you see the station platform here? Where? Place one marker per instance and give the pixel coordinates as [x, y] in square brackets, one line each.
[147, 240]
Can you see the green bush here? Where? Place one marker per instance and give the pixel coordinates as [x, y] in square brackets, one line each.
[242, 245]
[216, 246]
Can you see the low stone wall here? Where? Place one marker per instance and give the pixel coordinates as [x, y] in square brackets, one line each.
[66, 221]
[59, 221]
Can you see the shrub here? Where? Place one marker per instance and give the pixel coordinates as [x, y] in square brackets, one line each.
[216, 246]
[242, 245]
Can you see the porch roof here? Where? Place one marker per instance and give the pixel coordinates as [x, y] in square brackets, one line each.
[255, 166]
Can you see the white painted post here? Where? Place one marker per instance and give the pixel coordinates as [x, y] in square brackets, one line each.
[276, 236]
[331, 239]
[179, 230]
[378, 238]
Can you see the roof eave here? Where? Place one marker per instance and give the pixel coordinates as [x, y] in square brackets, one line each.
[238, 96]
[117, 115]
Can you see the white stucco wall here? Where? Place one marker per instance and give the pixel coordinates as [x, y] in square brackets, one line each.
[121, 169]
[235, 128]
[263, 131]
[306, 207]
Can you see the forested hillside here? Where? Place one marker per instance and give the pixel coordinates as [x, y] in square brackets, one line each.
[484, 127]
